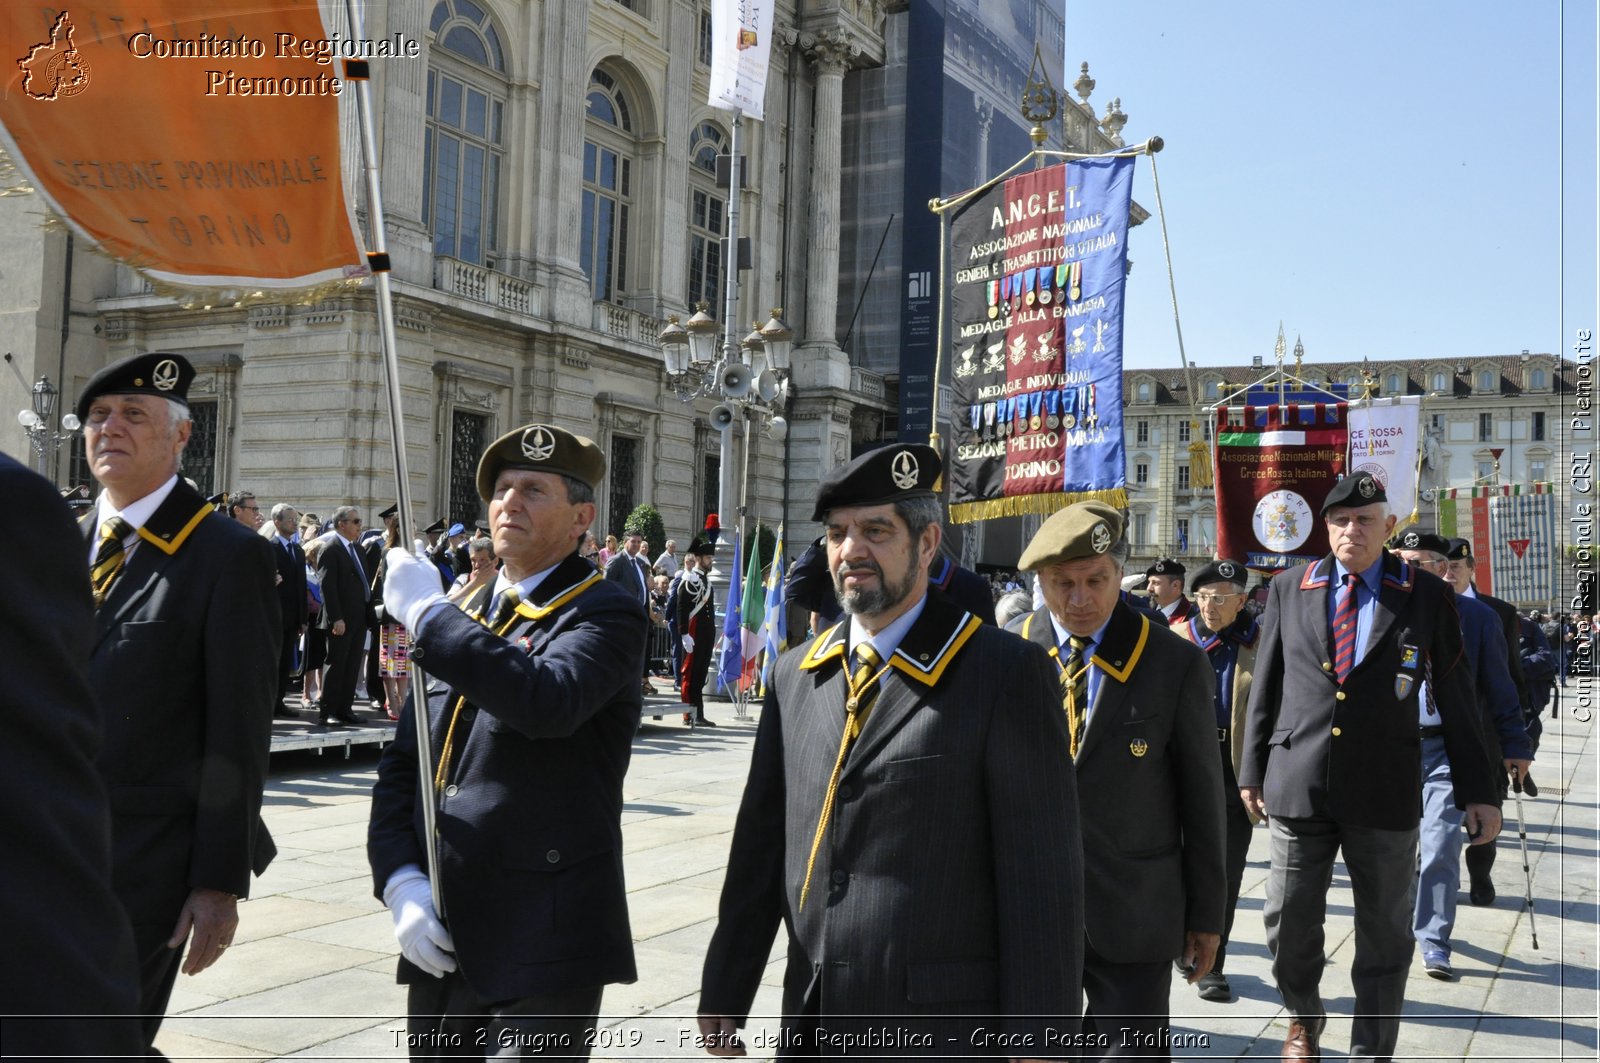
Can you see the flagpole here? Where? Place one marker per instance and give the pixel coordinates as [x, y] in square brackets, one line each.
[357, 71]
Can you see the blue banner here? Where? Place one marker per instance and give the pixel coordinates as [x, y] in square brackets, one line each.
[1038, 266]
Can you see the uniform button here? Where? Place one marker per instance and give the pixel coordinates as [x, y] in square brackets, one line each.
[450, 791]
[1327, 666]
[416, 652]
[846, 793]
[1337, 732]
[841, 877]
[1339, 696]
[553, 856]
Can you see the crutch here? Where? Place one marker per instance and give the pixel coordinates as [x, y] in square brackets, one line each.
[1522, 839]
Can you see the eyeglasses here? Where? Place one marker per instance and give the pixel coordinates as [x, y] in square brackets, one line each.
[253, 509]
[350, 520]
[1207, 598]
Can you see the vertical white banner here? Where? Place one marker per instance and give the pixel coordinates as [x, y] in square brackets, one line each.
[1384, 436]
[1523, 545]
[741, 45]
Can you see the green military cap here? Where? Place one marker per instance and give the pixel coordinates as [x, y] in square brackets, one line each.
[1223, 571]
[1083, 529]
[541, 448]
[165, 375]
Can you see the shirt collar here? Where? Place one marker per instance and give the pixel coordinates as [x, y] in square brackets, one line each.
[1166, 610]
[1470, 592]
[137, 513]
[1370, 576]
[525, 588]
[1062, 635]
[886, 641]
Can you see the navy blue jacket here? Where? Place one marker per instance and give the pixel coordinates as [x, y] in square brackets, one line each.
[1497, 695]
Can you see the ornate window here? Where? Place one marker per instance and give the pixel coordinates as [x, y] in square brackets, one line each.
[1143, 391]
[462, 148]
[1436, 381]
[199, 461]
[710, 484]
[623, 471]
[1209, 389]
[1141, 431]
[1537, 380]
[1141, 473]
[706, 213]
[607, 187]
[1391, 385]
[1485, 380]
[468, 436]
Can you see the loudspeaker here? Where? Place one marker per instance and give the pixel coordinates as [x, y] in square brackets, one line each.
[766, 385]
[722, 417]
[736, 380]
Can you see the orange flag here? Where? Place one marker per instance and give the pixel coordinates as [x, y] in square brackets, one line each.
[197, 140]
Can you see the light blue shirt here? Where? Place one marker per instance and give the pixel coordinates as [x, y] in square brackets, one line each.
[1095, 678]
[1366, 592]
[886, 641]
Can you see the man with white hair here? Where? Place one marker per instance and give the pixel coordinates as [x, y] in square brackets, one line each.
[183, 663]
[291, 582]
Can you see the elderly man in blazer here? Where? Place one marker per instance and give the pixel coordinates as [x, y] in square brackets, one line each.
[1332, 753]
[183, 660]
[290, 560]
[910, 815]
[1144, 745]
[530, 745]
[346, 614]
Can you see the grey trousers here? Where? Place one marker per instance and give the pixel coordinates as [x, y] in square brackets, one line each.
[1383, 876]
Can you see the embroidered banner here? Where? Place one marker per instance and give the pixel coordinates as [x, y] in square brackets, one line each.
[1473, 526]
[1039, 263]
[1275, 465]
[741, 47]
[1383, 442]
[1524, 548]
[196, 140]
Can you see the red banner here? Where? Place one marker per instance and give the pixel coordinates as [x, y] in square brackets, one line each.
[1275, 465]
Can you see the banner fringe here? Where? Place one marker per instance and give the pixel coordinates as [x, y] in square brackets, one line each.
[1021, 505]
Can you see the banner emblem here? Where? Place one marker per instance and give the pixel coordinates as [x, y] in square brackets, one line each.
[55, 66]
[538, 444]
[1283, 520]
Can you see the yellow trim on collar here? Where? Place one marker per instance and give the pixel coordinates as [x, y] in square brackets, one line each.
[530, 611]
[931, 676]
[820, 652]
[1027, 625]
[171, 547]
[1133, 658]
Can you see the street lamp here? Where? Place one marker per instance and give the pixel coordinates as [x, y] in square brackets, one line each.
[36, 423]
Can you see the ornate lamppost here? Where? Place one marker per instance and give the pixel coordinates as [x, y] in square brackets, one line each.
[35, 421]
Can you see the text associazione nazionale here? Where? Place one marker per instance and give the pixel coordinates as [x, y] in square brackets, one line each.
[227, 81]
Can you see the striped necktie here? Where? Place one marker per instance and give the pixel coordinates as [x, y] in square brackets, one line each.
[1344, 629]
[1075, 689]
[866, 668]
[109, 557]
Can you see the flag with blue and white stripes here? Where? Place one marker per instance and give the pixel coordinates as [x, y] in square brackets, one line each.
[1523, 549]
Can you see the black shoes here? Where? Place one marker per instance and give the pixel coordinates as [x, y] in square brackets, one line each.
[284, 712]
[1215, 987]
[1482, 891]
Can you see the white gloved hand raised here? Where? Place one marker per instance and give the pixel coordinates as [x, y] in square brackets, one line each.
[423, 939]
[410, 588]
[688, 644]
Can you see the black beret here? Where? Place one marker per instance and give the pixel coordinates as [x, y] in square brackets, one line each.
[164, 375]
[881, 476]
[1460, 550]
[481, 525]
[703, 547]
[1423, 540]
[390, 512]
[1223, 571]
[1357, 489]
[541, 448]
[436, 528]
[1166, 566]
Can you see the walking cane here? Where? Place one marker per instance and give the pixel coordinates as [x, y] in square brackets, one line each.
[1522, 839]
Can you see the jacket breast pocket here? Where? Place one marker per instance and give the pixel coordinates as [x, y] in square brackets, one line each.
[913, 768]
[146, 631]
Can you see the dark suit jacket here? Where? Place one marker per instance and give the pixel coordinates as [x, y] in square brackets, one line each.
[344, 587]
[291, 565]
[632, 574]
[1511, 631]
[1350, 752]
[185, 664]
[1150, 789]
[67, 933]
[950, 880]
[530, 831]
[1497, 696]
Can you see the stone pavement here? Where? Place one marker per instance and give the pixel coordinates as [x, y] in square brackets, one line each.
[311, 973]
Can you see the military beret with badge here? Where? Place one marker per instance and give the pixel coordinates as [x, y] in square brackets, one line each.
[1430, 542]
[436, 528]
[541, 448]
[1081, 530]
[1359, 489]
[1221, 571]
[166, 376]
[1166, 566]
[881, 477]
[1459, 550]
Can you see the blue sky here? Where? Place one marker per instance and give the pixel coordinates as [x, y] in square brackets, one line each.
[1382, 177]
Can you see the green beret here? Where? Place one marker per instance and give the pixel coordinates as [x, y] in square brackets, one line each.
[1083, 529]
[1421, 540]
[1359, 489]
[1223, 571]
[879, 477]
[541, 448]
[167, 376]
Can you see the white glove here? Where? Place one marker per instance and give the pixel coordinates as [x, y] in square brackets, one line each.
[410, 588]
[688, 644]
[423, 939]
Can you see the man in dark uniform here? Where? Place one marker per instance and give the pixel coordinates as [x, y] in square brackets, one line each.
[630, 570]
[697, 627]
[1229, 635]
[290, 560]
[346, 615]
[1332, 752]
[966, 588]
[372, 548]
[184, 662]
[72, 987]
[908, 815]
[1164, 579]
[1144, 745]
[1480, 858]
[530, 745]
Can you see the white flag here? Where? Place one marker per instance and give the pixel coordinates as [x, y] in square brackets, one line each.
[1383, 441]
[741, 45]
[1522, 544]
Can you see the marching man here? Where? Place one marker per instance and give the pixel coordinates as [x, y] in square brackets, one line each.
[697, 627]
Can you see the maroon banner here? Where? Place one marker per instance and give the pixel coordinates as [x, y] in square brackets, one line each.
[1275, 465]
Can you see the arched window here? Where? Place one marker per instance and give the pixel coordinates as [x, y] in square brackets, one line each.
[1391, 384]
[1211, 390]
[707, 213]
[1486, 380]
[1436, 382]
[607, 187]
[1144, 391]
[1537, 379]
[462, 145]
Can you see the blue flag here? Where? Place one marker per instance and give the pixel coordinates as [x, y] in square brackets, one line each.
[773, 624]
[731, 662]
